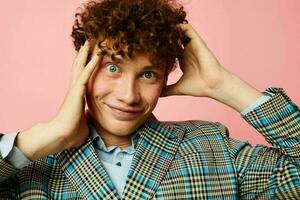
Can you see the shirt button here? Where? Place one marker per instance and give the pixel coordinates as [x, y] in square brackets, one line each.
[121, 156]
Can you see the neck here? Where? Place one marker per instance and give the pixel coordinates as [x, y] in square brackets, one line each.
[114, 140]
[110, 139]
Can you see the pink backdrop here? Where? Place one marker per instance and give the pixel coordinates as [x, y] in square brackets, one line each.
[257, 40]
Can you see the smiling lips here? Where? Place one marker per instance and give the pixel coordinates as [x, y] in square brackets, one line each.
[125, 113]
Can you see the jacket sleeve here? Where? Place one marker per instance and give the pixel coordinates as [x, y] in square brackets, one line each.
[6, 172]
[6, 168]
[11, 153]
[269, 172]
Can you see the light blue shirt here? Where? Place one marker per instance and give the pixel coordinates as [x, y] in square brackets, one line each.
[115, 160]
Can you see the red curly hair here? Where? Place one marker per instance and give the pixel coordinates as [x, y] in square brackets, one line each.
[134, 26]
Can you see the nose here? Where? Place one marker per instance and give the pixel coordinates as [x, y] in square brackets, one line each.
[129, 91]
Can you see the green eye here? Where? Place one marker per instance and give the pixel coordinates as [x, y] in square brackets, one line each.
[148, 74]
[112, 67]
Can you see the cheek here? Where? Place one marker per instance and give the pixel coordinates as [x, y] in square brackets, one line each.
[151, 95]
[99, 85]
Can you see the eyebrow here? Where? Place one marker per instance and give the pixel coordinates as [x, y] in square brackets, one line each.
[155, 67]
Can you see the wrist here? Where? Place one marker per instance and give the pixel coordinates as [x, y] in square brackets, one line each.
[38, 141]
[235, 92]
[27, 143]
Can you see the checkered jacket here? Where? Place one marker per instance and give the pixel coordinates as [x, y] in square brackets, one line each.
[177, 160]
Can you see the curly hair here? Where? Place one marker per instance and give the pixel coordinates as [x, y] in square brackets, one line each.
[133, 26]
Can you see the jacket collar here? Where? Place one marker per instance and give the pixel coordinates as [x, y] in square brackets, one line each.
[154, 153]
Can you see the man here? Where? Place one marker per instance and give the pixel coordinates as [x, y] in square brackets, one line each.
[117, 149]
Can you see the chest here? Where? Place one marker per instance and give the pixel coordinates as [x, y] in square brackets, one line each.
[199, 176]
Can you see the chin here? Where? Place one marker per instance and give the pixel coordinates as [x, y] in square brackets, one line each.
[114, 126]
[120, 128]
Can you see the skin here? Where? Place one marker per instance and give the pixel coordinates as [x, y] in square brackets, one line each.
[132, 84]
[203, 76]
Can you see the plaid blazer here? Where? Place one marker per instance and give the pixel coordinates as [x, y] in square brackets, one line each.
[177, 160]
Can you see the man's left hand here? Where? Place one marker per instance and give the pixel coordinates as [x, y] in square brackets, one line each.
[204, 76]
[202, 72]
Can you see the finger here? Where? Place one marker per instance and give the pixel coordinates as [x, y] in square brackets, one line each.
[88, 70]
[187, 29]
[190, 32]
[80, 61]
[96, 48]
[83, 54]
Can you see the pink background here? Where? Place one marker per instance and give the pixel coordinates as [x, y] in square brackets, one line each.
[257, 40]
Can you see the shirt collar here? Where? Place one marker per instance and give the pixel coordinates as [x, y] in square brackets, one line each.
[101, 145]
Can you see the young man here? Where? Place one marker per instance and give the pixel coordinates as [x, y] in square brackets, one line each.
[117, 148]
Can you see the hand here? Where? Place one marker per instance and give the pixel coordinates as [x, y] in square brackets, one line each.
[202, 72]
[71, 121]
[203, 76]
[69, 127]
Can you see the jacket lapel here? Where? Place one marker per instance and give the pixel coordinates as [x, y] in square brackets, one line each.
[84, 170]
[155, 151]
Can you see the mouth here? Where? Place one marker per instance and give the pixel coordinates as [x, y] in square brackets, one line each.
[124, 113]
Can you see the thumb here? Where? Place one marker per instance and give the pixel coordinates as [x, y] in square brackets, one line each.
[169, 90]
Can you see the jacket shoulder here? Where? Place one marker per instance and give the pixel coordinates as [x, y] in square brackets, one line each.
[196, 128]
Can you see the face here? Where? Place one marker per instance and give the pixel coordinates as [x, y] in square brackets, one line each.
[122, 95]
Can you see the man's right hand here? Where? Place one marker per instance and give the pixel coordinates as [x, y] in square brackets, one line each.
[69, 127]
